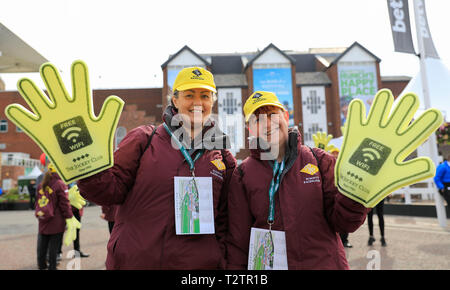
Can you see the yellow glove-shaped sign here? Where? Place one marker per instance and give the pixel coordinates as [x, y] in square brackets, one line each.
[77, 142]
[72, 225]
[76, 200]
[370, 165]
[321, 140]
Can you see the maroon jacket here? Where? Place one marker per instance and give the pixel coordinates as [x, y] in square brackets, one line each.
[143, 184]
[308, 208]
[61, 205]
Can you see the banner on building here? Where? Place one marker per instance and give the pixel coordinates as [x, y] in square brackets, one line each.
[171, 76]
[400, 25]
[356, 81]
[278, 81]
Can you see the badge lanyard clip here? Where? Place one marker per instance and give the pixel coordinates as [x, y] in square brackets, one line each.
[186, 155]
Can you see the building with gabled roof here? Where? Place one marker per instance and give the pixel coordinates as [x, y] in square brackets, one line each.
[315, 85]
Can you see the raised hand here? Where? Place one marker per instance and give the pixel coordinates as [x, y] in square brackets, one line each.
[76, 141]
[370, 165]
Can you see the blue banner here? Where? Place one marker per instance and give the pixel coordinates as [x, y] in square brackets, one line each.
[278, 81]
[171, 76]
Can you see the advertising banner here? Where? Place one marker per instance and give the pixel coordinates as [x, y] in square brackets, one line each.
[400, 25]
[356, 81]
[171, 76]
[278, 81]
[424, 30]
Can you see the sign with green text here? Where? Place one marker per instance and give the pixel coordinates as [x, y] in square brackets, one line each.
[356, 81]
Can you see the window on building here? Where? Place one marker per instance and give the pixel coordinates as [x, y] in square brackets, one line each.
[3, 126]
[18, 129]
[229, 104]
[313, 102]
[120, 134]
[313, 129]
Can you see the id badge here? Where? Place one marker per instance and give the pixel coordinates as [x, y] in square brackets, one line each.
[267, 250]
[194, 212]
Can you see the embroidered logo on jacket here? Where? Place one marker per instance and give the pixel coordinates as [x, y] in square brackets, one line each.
[310, 169]
[219, 164]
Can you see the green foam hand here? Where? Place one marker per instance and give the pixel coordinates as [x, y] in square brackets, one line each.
[75, 198]
[77, 142]
[370, 165]
[72, 225]
[321, 140]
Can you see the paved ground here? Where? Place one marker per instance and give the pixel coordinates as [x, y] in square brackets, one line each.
[412, 243]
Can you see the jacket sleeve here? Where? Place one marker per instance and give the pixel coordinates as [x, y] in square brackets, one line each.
[112, 185]
[240, 221]
[343, 214]
[222, 217]
[440, 170]
[63, 199]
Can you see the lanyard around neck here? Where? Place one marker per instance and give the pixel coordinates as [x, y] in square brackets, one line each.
[183, 150]
[274, 185]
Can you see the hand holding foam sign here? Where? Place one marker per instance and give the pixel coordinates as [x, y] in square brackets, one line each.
[76, 141]
[370, 165]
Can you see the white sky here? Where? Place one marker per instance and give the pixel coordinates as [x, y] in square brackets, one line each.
[124, 43]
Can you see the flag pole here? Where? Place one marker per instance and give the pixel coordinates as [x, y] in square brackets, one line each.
[432, 141]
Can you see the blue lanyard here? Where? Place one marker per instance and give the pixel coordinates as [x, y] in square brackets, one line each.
[274, 185]
[185, 153]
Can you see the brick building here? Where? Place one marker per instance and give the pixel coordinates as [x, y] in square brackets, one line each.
[314, 85]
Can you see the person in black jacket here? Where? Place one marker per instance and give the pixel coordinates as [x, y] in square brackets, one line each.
[379, 209]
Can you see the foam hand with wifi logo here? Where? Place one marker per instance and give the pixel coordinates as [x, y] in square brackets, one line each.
[371, 163]
[77, 142]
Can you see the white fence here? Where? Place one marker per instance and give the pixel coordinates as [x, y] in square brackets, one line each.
[26, 162]
[426, 191]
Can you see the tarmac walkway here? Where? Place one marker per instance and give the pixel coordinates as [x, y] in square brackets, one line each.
[412, 243]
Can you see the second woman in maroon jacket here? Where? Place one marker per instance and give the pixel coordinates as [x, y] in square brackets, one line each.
[307, 206]
[142, 182]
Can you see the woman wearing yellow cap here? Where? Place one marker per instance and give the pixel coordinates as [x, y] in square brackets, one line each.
[171, 182]
[283, 201]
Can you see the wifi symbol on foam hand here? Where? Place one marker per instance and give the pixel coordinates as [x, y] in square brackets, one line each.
[370, 153]
[71, 133]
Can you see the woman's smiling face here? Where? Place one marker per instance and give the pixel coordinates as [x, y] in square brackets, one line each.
[194, 104]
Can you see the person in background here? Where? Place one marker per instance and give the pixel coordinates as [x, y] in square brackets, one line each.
[442, 179]
[52, 210]
[380, 214]
[32, 193]
[109, 214]
[78, 213]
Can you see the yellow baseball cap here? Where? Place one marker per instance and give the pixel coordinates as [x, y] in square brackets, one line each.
[194, 77]
[51, 167]
[334, 149]
[259, 99]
